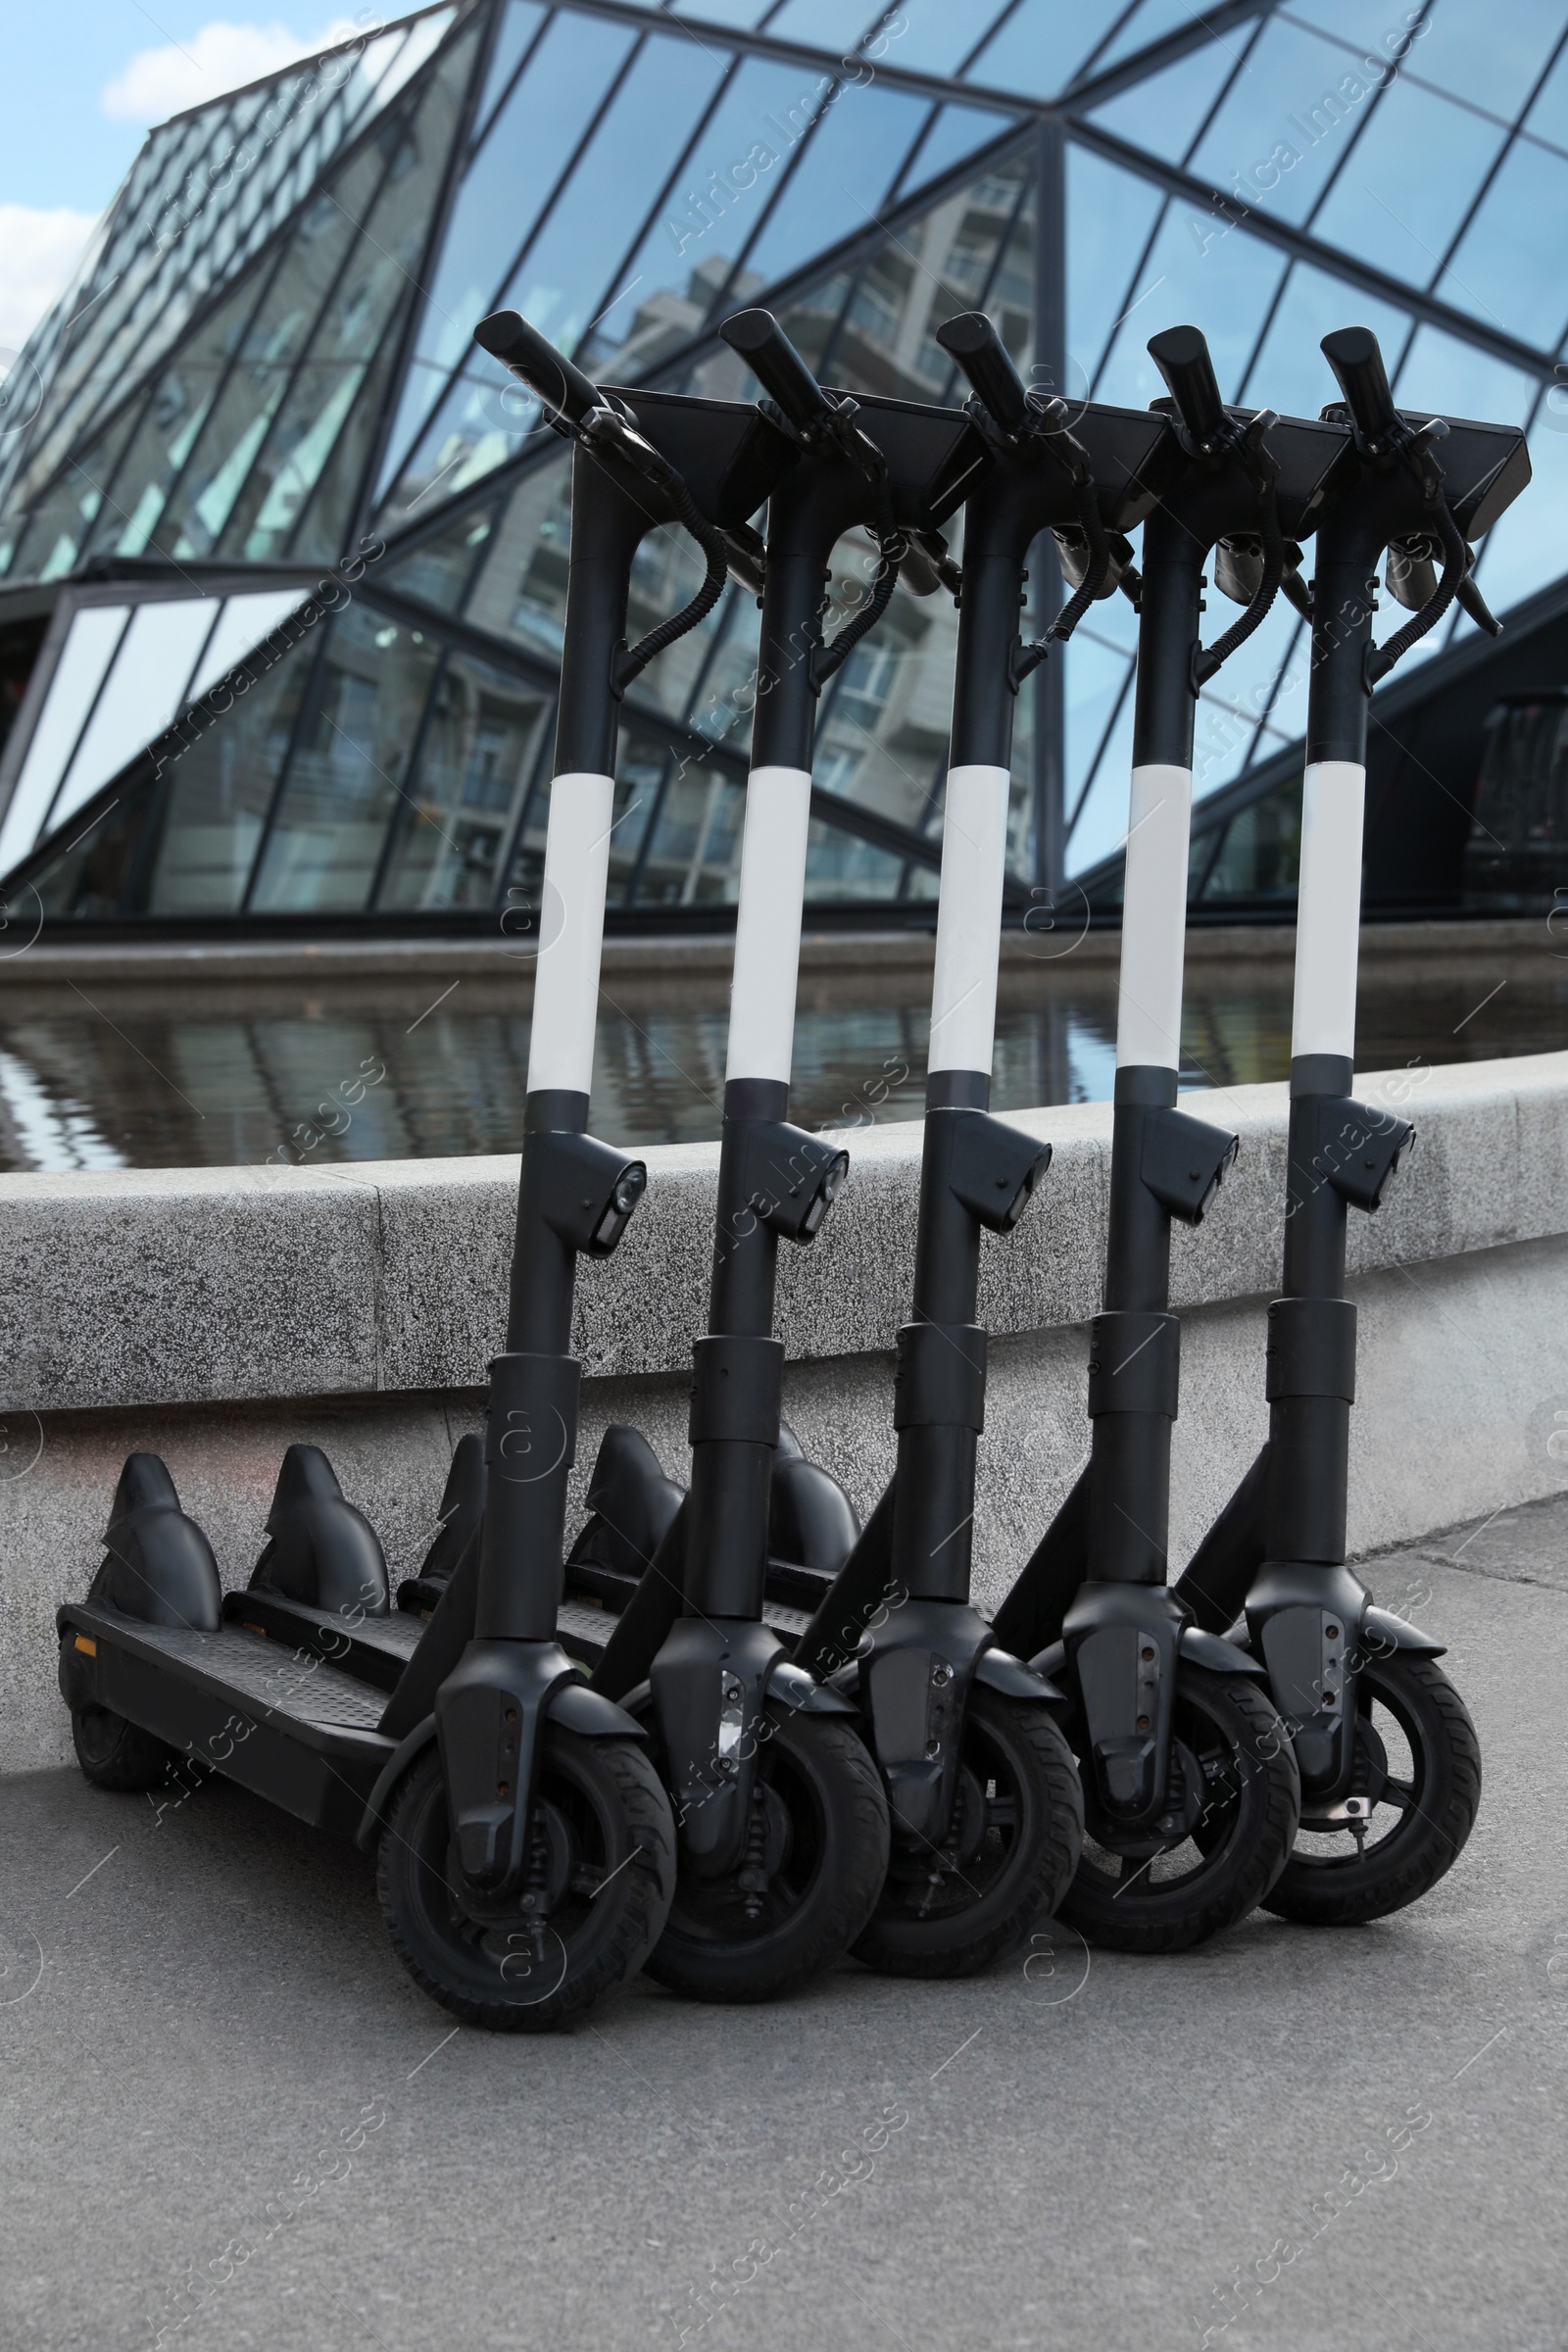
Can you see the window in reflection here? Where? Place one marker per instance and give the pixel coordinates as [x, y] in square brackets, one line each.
[474, 766]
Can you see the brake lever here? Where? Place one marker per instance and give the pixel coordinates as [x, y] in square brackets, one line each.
[1471, 601]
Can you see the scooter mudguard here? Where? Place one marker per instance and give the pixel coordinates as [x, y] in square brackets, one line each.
[788, 1685]
[570, 1704]
[158, 1564]
[1382, 1630]
[1122, 1643]
[1217, 1655]
[710, 1684]
[1001, 1671]
[321, 1550]
[1304, 1621]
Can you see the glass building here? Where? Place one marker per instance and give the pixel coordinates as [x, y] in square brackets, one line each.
[282, 555]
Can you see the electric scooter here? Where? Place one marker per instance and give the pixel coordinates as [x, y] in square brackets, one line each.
[526, 1845]
[986, 1808]
[1377, 1831]
[782, 1819]
[1191, 1793]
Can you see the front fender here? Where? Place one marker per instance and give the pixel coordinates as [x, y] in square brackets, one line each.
[1219, 1656]
[392, 1771]
[592, 1716]
[1001, 1671]
[793, 1687]
[1051, 1661]
[1382, 1630]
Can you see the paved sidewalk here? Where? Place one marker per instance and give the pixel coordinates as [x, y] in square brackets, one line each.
[231, 2118]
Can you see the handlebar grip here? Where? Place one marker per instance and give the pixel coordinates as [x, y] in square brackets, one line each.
[972, 340]
[1181, 354]
[508, 338]
[1357, 363]
[759, 340]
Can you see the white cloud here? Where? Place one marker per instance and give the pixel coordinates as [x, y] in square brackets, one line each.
[160, 82]
[38, 253]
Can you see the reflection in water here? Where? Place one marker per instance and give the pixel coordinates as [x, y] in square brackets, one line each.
[164, 1076]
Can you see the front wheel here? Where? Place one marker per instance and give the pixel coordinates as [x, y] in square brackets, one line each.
[1418, 1764]
[1015, 1839]
[822, 1838]
[1237, 1770]
[604, 1864]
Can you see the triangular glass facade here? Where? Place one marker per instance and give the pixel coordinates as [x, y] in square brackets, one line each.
[282, 555]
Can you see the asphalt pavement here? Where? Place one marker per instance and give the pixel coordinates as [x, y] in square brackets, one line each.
[232, 2121]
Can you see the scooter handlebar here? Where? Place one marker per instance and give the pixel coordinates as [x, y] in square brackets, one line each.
[1181, 354]
[1357, 363]
[758, 339]
[508, 336]
[972, 340]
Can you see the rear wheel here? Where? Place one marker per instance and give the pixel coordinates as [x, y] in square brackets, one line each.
[1418, 1765]
[823, 1849]
[603, 1862]
[1236, 1769]
[115, 1754]
[1015, 1839]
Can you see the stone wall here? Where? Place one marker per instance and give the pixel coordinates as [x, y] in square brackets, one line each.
[216, 1315]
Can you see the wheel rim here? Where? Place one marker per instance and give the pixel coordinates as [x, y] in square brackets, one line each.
[1392, 1766]
[722, 1912]
[1137, 1872]
[929, 1883]
[517, 1957]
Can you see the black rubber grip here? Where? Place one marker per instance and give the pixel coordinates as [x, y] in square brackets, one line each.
[508, 338]
[777, 365]
[972, 340]
[1181, 354]
[1353, 355]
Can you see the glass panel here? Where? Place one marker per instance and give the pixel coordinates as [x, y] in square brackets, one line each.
[1508, 268]
[1488, 57]
[89, 649]
[1149, 23]
[359, 324]
[937, 37]
[88, 876]
[694, 859]
[1269, 673]
[242, 624]
[1101, 825]
[141, 695]
[841, 182]
[439, 572]
[1523, 551]
[833, 25]
[1227, 288]
[839, 867]
[957, 133]
[513, 173]
[1548, 119]
[345, 779]
[567, 276]
[1167, 112]
[1419, 160]
[473, 771]
[1042, 45]
[686, 257]
[882, 739]
[1098, 678]
[1290, 373]
[1261, 855]
[1288, 122]
[521, 590]
[47, 541]
[219, 790]
[1109, 217]
[521, 21]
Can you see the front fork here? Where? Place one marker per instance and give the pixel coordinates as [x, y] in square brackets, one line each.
[1307, 1623]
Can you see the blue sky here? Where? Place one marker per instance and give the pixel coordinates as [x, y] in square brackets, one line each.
[84, 80]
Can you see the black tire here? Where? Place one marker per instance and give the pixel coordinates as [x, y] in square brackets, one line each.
[1428, 1797]
[826, 1795]
[118, 1754]
[614, 1840]
[1167, 1897]
[1020, 1832]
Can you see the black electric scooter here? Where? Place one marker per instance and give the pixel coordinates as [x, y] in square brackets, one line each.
[1190, 1786]
[1377, 1831]
[527, 1850]
[783, 1823]
[987, 1811]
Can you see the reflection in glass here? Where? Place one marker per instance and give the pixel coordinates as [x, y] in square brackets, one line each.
[461, 801]
[217, 794]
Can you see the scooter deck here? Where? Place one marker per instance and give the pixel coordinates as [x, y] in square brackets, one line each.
[295, 1730]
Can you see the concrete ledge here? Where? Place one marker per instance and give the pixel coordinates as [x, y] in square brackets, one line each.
[183, 1287]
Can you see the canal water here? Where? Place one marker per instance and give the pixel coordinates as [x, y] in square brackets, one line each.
[102, 1073]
